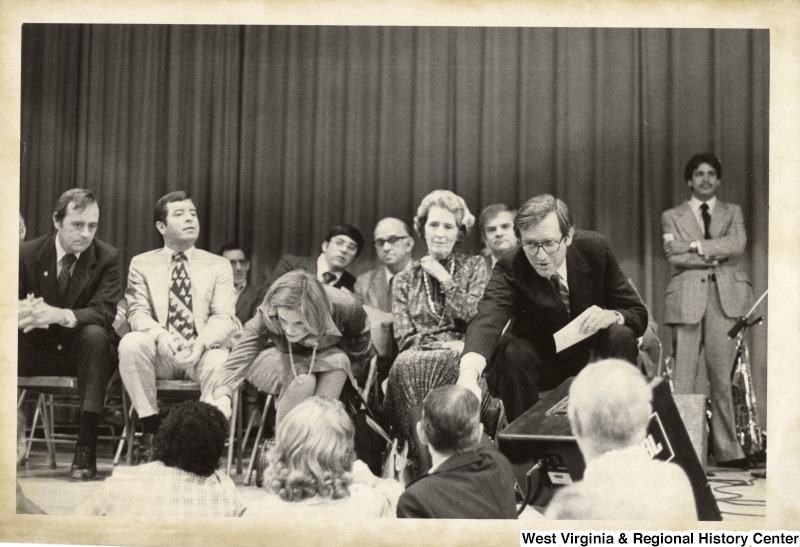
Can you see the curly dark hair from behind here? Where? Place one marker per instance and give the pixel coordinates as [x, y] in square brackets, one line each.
[192, 438]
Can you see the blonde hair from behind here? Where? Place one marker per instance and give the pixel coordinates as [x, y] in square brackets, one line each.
[313, 453]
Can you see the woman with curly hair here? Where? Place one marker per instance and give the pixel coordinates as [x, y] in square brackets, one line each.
[183, 481]
[432, 302]
[301, 342]
[312, 465]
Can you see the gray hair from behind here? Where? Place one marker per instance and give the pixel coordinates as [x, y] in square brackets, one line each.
[609, 405]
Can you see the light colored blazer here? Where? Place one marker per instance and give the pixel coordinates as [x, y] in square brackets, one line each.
[213, 295]
[373, 289]
[687, 292]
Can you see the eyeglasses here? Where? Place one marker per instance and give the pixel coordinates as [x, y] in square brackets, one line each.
[549, 247]
[390, 240]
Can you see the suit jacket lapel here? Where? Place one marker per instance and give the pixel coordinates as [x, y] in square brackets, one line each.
[158, 279]
[579, 281]
[718, 219]
[83, 271]
[689, 222]
[380, 290]
[47, 271]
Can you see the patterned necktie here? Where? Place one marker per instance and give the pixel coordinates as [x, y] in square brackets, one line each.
[63, 278]
[180, 319]
[561, 289]
[328, 278]
[706, 219]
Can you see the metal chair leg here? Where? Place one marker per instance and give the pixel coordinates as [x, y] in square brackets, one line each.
[259, 433]
[232, 431]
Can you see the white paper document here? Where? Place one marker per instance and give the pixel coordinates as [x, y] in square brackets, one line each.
[571, 334]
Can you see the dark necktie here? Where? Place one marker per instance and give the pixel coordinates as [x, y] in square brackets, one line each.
[561, 289]
[328, 278]
[391, 282]
[63, 278]
[180, 319]
[706, 219]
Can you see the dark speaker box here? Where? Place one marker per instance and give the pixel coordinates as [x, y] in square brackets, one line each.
[543, 434]
[692, 408]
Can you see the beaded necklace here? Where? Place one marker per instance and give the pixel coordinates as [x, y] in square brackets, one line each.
[429, 293]
[291, 361]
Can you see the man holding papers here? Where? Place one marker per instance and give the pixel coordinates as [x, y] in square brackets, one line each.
[558, 277]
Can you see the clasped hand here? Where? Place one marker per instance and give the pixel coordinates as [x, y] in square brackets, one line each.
[177, 351]
[434, 268]
[33, 313]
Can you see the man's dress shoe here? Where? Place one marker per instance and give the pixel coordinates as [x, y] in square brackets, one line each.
[84, 465]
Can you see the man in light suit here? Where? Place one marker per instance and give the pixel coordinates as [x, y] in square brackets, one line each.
[556, 276]
[180, 309]
[703, 241]
[248, 294]
[68, 289]
[497, 231]
[342, 245]
[394, 243]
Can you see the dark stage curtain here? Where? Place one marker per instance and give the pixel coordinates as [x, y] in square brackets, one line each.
[281, 132]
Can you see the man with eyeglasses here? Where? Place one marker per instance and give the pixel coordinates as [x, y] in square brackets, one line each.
[557, 275]
[342, 245]
[393, 244]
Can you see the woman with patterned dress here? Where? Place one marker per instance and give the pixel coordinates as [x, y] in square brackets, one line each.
[432, 302]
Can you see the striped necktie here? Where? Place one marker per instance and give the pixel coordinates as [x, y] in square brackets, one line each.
[561, 288]
[180, 319]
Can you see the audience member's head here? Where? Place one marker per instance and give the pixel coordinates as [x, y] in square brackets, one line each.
[703, 175]
[75, 218]
[176, 220]
[698, 159]
[451, 420]
[22, 228]
[444, 199]
[238, 258]
[609, 407]
[192, 438]
[313, 453]
[393, 243]
[297, 306]
[544, 228]
[497, 228]
[342, 244]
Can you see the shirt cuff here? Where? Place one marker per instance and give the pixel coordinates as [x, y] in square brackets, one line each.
[620, 318]
[700, 248]
[473, 361]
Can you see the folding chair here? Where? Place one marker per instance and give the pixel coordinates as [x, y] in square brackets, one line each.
[171, 392]
[48, 388]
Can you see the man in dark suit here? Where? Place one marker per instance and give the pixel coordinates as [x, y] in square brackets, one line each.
[341, 247]
[704, 239]
[556, 276]
[469, 479]
[248, 295]
[68, 289]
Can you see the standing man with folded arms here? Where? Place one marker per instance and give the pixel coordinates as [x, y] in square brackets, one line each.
[181, 308]
[68, 289]
[704, 239]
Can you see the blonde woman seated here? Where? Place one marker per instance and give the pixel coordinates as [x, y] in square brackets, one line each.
[432, 302]
[312, 472]
[300, 343]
